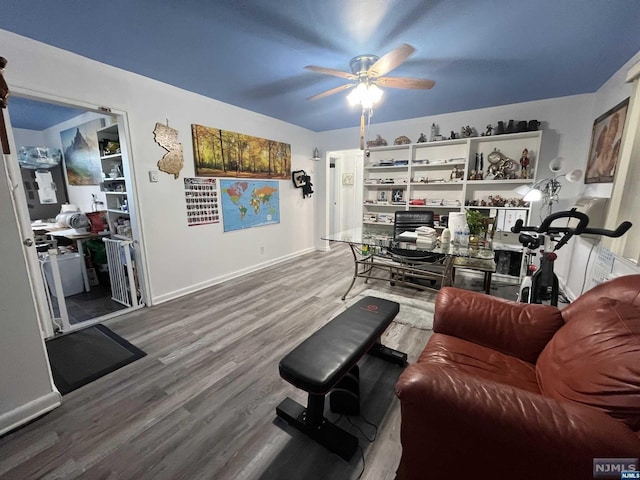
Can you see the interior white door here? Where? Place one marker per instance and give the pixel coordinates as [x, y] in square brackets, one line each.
[28, 390]
[335, 210]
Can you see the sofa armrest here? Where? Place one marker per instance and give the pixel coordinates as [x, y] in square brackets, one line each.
[456, 423]
[518, 329]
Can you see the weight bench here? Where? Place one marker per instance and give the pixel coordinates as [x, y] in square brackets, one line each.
[323, 359]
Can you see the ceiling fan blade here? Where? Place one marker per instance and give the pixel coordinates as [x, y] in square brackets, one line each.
[332, 91]
[403, 82]
[390, 60]
[331, 71]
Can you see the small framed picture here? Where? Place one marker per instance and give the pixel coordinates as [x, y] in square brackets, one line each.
[347, 178]
[397, 195]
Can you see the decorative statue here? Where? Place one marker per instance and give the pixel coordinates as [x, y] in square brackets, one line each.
[4, 88]
[489, 129]
[4, 98]
[524, 164]
[466, 132]
[422, 138]
[434, 132]
[378, 142]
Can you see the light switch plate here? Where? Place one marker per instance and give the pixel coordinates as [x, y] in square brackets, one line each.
[153, 175]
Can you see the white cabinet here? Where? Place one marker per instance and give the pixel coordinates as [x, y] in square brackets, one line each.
[438, 176]
[114, 183]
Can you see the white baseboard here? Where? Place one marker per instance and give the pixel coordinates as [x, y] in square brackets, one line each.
[29, 411]
[215, 281]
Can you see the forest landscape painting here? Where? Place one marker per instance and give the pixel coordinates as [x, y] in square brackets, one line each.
[81, 153]
[220, 153]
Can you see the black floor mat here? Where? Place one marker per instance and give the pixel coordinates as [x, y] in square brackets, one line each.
[80, 357]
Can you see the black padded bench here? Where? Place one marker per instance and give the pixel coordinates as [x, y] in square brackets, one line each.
[323, 359]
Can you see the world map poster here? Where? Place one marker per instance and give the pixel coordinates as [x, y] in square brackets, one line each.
[249, 203]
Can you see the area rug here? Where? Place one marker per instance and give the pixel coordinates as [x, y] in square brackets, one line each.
[417, 313]
[83, 356]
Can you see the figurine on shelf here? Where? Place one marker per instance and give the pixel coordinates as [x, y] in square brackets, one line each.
[466, 132]
[524, 164]
[402, 140]
[489, 130]
[434, 132]
[453, 135]
[422, 138]
[378, 142]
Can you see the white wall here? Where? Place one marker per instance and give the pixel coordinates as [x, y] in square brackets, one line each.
[583, 253]
[79, 195]
[179, 259]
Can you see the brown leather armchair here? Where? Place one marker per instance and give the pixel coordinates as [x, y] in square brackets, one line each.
[511, 390]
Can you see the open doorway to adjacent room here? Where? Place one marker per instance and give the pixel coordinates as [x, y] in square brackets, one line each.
[76, 183]
[345, 190]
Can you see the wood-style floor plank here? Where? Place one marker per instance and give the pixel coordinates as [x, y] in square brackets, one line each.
[201, 404]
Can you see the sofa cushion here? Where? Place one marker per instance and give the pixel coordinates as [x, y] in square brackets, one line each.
[479, 361]
[595, 360]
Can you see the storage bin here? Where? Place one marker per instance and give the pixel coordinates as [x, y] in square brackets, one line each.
[70, 266]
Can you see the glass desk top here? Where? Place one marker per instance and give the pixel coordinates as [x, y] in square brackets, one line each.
[382, 244]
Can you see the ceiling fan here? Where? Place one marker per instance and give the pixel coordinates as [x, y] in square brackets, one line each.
[367, 73]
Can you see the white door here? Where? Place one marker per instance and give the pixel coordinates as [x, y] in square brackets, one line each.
[28, 390]
[335, 211]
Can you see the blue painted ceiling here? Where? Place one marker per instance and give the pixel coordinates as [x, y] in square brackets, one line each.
[252, 53]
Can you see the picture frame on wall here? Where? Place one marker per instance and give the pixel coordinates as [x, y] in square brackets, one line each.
[606, 142]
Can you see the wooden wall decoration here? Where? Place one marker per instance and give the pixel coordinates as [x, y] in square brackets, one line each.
[172, 161]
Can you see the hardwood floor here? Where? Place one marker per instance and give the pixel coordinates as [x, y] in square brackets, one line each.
[201, 404]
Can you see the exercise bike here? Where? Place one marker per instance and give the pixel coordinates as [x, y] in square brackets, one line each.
[541, 284]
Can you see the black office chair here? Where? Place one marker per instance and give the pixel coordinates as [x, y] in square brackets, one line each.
[408, 222]
[401, 249]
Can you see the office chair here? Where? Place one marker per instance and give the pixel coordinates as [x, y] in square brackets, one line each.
[405, 221]
[408, 222]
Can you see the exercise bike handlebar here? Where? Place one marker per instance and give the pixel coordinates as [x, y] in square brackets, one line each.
[580, 229]
[618, 232]
[545, 226]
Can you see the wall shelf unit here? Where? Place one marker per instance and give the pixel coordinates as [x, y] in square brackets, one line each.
[437, 176]
[114, 185]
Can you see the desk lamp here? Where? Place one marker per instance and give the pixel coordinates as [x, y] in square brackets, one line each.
[547, 189]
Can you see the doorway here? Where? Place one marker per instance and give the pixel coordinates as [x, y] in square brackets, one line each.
[83, 294]
[345, 190]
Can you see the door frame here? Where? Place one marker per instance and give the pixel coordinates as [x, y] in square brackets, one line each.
[22, 211]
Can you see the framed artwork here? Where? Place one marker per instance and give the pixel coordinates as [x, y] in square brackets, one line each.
[81, 153]
[606, 141]
[220, 153]
[347, 178]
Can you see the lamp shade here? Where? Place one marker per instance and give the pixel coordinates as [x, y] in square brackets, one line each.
[522, 190]
[533, 195]
[574, 175]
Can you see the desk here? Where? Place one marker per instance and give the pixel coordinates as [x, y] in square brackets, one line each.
[373, 259]
[55, 230]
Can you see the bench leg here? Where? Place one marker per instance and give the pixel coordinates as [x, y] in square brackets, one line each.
[388, 354]
[311, 421]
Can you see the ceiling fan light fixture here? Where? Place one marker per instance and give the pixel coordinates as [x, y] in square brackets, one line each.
[365, 94]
